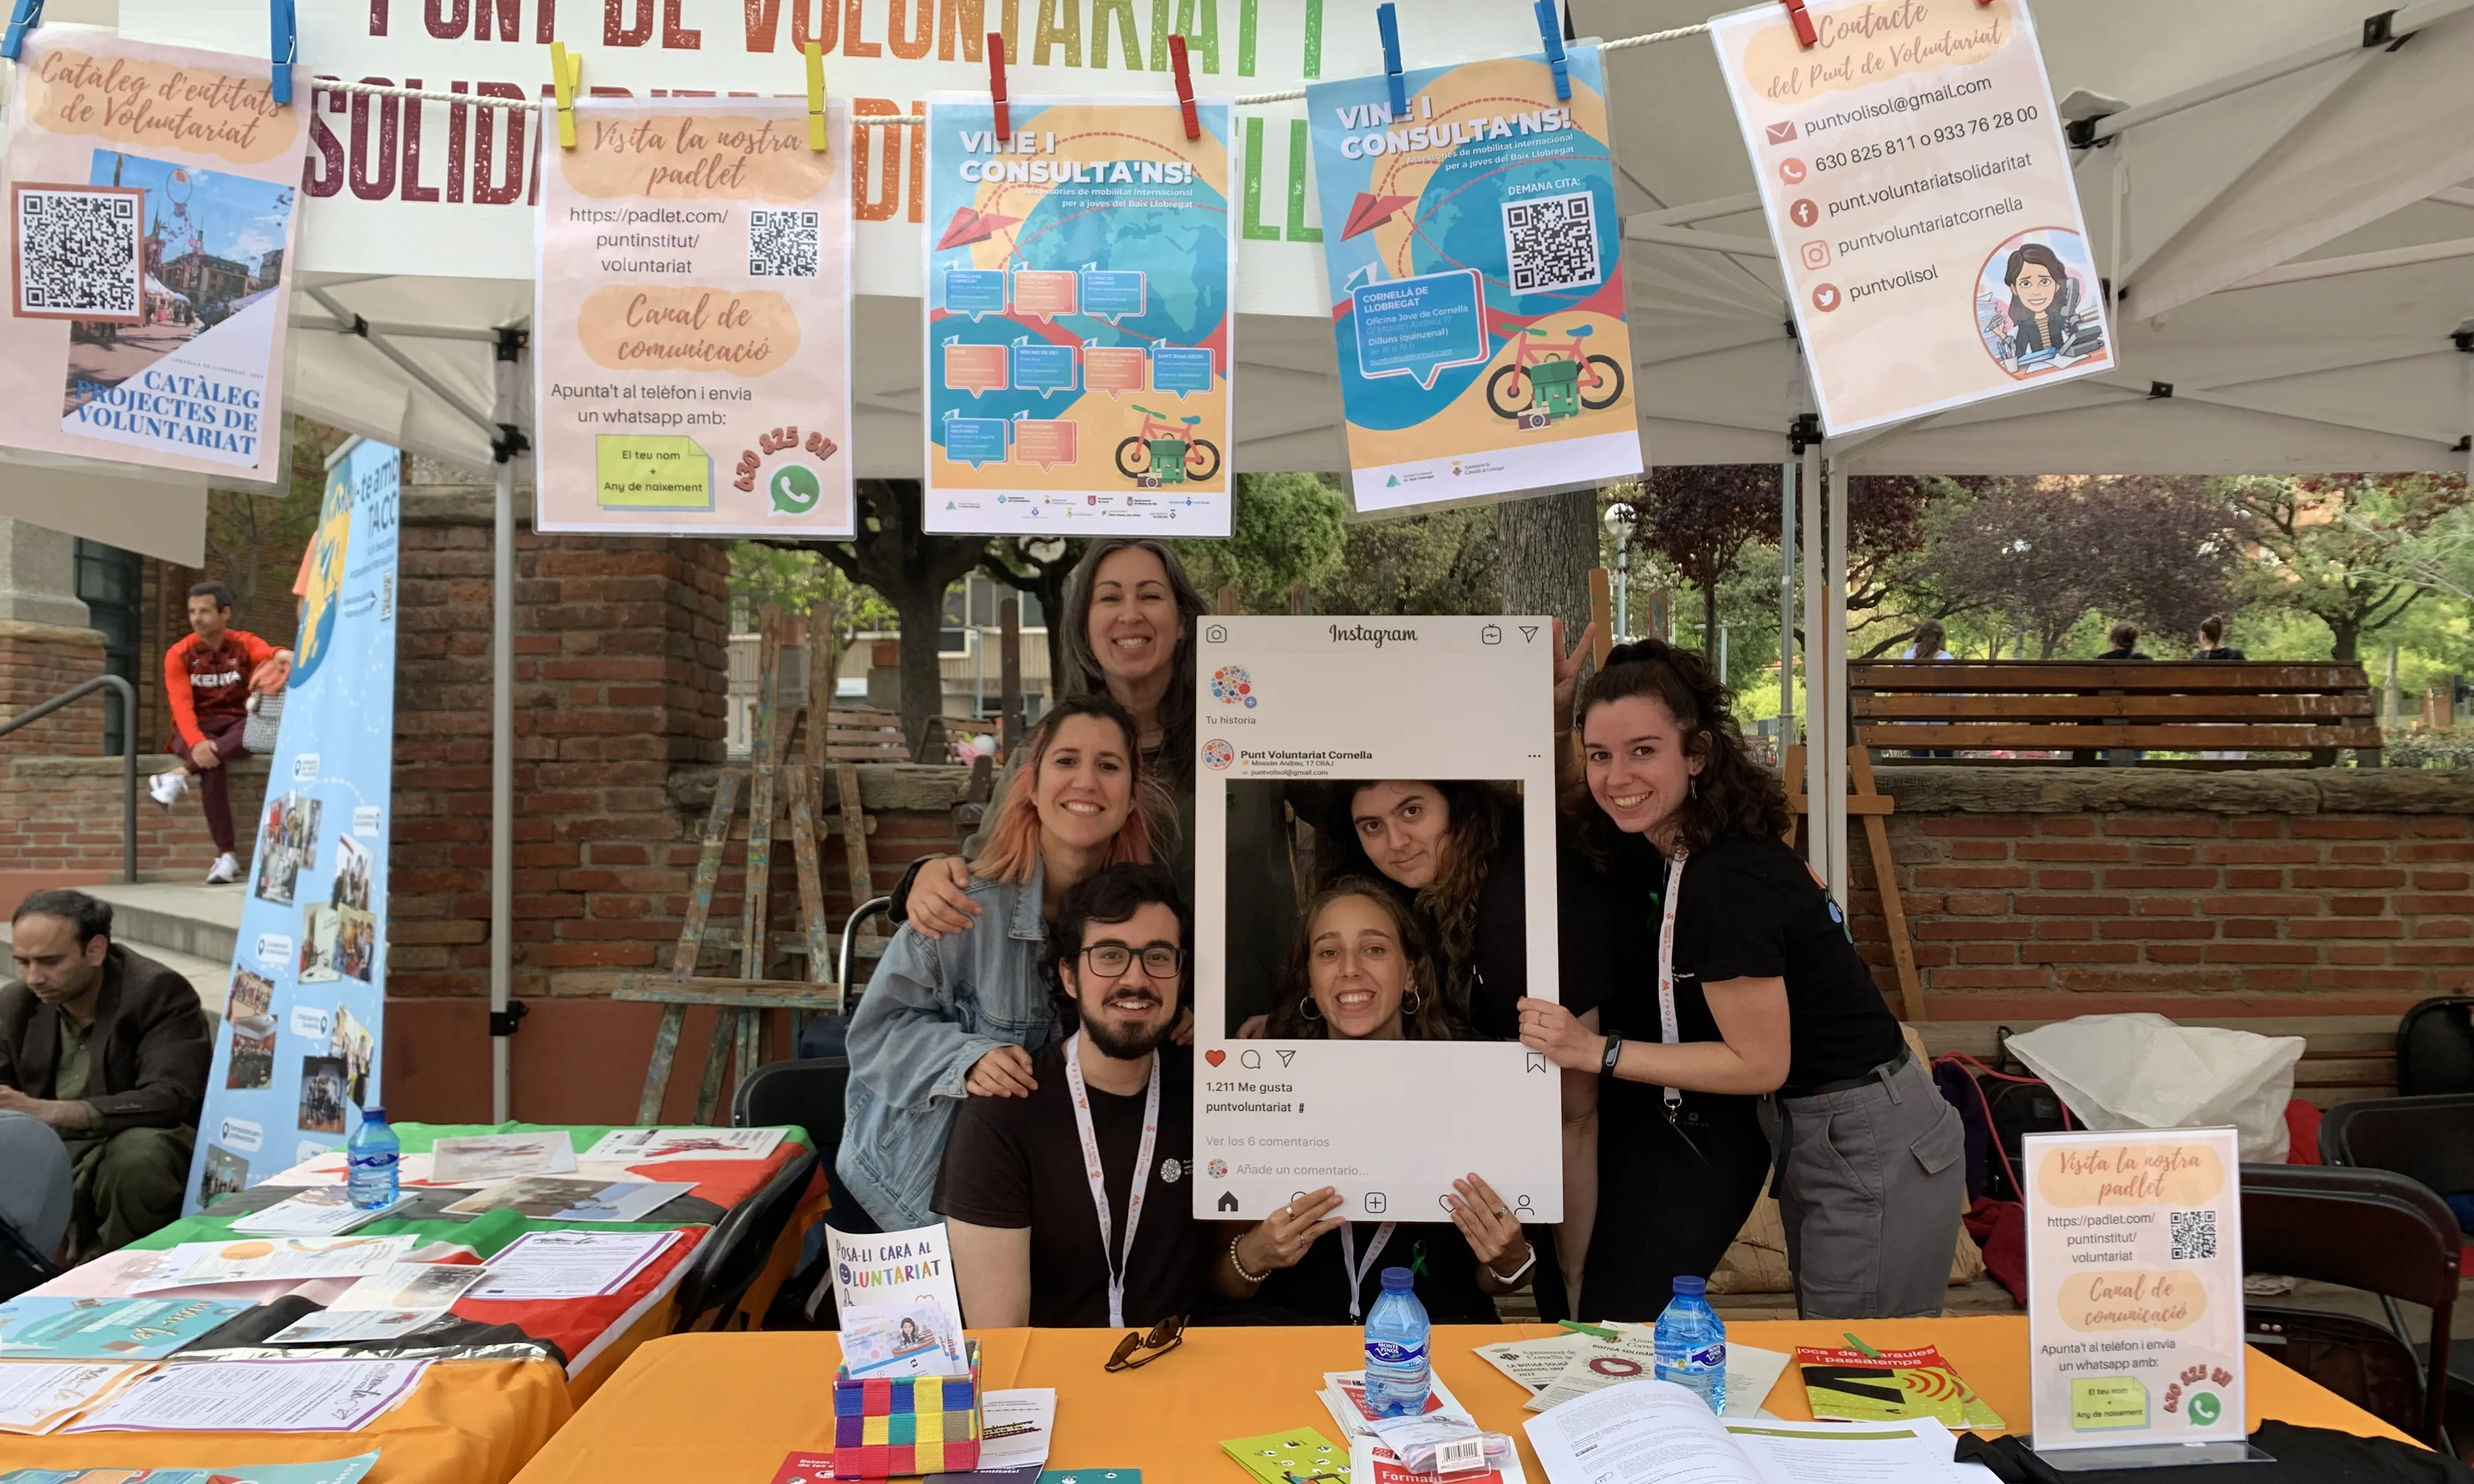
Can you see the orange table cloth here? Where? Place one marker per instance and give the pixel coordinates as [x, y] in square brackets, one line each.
[469, 1421]
[728, 1407]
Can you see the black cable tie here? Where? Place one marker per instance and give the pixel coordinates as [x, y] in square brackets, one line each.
[2159, 391]
[503, 1022]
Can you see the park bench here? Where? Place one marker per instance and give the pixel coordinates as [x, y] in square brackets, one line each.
[2267, 714]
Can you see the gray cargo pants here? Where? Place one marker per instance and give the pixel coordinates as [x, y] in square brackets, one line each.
[1871, 1190]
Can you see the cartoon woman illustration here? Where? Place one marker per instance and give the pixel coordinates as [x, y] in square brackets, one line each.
[2043, 313]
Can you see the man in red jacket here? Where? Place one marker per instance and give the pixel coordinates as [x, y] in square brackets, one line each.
[207, 677]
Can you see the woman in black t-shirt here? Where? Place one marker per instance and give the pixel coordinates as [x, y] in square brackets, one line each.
[1766, 996]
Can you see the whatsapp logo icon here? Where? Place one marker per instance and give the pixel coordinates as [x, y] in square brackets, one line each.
[796, 490]
[2205, 1408]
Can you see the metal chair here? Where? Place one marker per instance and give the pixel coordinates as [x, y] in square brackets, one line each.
[808, 1094]
[2370, 1230]
[741, 1244]
[2434, 1046]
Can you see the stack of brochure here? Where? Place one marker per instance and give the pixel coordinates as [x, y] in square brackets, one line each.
[568, 1264]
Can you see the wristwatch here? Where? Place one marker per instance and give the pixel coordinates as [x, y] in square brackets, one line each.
[1614, 1053]
[1509, 1279]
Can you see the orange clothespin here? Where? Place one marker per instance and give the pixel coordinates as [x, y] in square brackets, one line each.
[566, 78]
[1184, 87]
[997, 84]
[1805, 35]
[816, 139]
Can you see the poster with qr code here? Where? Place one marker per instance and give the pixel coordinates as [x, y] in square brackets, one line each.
[2135, 1288]
[1913, 171]
[691, 326]
[150, 216]
[1080, 318]
[1474, 258]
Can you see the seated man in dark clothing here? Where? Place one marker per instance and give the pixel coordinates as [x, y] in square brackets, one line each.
[111, 1050]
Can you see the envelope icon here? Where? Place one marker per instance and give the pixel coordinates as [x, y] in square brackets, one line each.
[1782, 133]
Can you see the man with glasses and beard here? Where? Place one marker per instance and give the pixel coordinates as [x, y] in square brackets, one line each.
[1069, 1207]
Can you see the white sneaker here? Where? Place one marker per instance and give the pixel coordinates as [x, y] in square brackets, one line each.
[225, 871]
[166, 789]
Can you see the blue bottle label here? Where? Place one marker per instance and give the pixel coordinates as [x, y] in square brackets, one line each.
[1387, 1352]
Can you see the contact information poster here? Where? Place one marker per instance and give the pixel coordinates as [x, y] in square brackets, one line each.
[1474, 258]
[298, 1049]
[692, 355]
[1365, 1075]
[1917, 185]
[2135, 1288]
[1078, 317]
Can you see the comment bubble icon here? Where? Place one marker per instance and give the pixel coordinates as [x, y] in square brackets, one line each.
[1046, 442]
[1113, 293]
[1415, 327]
[975, 368]
[1045, 292]
[975, 441]
[1116, 369]
[1043, 368]
[975, 291]
[1181, 368]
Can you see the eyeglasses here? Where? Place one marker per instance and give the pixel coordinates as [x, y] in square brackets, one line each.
[1138, 1348]
[1159, 960]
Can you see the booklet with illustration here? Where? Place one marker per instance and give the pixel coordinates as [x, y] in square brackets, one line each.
[478, 1157]
[32, 1328]
[893, 1289]
[37, 1396]
[342, 1470]
[1299, 1455]
[318, 1210]
[566, 1198]
[648, 1146]
[271, 1259]
[1877, 1386]
[914, 1338]
[1656, 1432]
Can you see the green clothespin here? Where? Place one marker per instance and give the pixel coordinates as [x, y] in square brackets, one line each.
[1597, 1331]
[1862, 1348]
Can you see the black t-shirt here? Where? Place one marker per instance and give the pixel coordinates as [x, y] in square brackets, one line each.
[2221, 652]
[1750, 910]
[1018, 1163]
[1316, 1290]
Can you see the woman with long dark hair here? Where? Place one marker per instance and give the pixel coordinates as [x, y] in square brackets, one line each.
[1451, 846]
[1731, 982]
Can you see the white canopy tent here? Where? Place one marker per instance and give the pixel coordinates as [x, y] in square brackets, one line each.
[2271, 185]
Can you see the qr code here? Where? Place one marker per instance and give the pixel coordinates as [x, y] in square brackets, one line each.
[2195, 1236]
[782, 244]
[79, 254]
[1551, 242]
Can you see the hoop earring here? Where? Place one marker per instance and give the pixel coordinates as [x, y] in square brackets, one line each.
[1411, 1004]
[1307, 1009]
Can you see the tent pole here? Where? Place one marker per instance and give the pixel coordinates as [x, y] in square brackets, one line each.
[1834, 652]
[1816, 672]
[1786, 612]
[502, 727]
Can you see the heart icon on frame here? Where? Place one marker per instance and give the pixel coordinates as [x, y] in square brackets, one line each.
[1215, 1056]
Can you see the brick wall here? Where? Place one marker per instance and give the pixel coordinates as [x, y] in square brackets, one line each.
[60, 823]
[2043, 893]
[38, 661]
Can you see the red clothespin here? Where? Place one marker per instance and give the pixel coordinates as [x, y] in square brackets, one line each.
[1184, 87]
[996, 82]
[1805, 35]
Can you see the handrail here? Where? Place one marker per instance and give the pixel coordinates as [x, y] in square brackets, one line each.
[128, 751]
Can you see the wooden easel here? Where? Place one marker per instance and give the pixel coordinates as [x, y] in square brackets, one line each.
[1873, 808]
[741, 1002]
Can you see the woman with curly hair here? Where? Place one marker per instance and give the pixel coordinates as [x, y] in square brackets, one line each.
[1452, 847]
[1731, 982]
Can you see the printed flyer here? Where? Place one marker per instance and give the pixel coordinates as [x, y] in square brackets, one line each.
[1360, 1073]
[1475, 260]
[151, 195]
[346, 1470]
[1079, 318]
[2134, 1287]
[692, 355]
[1918, 186]
[300, 1044]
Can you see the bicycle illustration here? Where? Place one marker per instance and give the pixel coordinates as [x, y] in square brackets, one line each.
[1554, 377]
[1170, 451]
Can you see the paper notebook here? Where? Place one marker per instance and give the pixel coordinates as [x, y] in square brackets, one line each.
[1300, 1455]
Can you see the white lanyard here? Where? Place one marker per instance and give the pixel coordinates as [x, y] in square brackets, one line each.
[1091, 1166]
[1357, 1270]
[1666, 1031]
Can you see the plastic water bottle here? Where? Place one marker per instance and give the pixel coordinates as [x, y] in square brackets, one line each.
[1399, 1371]
[1691, 1341]
[374, 1152]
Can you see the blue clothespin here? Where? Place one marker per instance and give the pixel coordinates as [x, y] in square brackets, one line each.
[284, 45]
[1389, 23]
[25, 17]
[1552, 30]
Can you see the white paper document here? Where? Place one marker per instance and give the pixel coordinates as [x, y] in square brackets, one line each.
[1751, 1374]
[569, 1264]
[1599, 1365]
[1016, 1427]
[263, 1259]
[495, 1156]
[648, 1146]
[569, 1198]
[321, 1211]
[406, 1298]
[1534, 1363]
[37, 1396]
[1655, 1432]
[258, 1396]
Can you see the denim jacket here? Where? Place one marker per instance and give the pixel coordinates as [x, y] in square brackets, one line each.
[934, 1008]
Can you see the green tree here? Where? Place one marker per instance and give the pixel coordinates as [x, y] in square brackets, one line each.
[1442, 562]
[1287, 529]
[1039, 566]
[2348, 549]
[798, 580]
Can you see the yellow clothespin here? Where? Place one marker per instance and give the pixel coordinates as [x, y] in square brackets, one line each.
[816, 139]
[566, 77]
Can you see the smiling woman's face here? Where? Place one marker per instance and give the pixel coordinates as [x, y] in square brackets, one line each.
[1356, 970]
[1134, 627]
[1086, 783]
[2036, 288]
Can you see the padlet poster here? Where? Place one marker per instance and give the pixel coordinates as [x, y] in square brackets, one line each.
[151, 217]
[1079, 314]
[1474, 254]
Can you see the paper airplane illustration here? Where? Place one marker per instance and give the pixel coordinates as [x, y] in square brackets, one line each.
[1369, 211]
[969, 226]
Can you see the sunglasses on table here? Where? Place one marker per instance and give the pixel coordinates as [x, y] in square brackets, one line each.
[1137, 1350]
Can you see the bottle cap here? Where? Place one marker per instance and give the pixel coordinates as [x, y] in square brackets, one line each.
[374, 1111]
[1691, 1287]
[1399, 1280]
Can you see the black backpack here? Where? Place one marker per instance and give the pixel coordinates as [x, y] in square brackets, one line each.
[2434, 1047]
